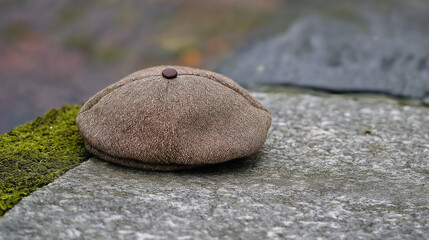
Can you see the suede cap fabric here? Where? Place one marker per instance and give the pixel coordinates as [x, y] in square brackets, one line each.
[149, 121]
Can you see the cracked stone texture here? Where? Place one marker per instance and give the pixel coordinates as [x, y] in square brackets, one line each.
[345, 46]
[333, 166]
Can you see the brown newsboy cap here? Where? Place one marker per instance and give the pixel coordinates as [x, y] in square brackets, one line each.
[173, 117]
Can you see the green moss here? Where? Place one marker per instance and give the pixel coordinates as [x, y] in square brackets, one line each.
[34, 154]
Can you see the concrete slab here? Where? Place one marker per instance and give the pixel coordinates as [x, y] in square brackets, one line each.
[333, 166]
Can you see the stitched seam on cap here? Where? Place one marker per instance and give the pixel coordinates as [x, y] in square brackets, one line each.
[141, 162]
[173, 142]
[210, 77]
[133, 80]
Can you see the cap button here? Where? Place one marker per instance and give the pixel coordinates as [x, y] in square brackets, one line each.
[169, 73]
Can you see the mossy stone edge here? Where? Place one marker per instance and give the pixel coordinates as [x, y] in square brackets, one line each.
[34, 154]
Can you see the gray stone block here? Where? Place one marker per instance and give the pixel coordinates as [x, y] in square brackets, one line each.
[333, 167]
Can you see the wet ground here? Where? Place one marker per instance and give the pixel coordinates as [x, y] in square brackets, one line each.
[344, 46]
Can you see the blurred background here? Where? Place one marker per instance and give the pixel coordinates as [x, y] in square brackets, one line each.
[62, 52]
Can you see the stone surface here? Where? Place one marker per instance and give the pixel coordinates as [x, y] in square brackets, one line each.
[342, 46]
[333, 166]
